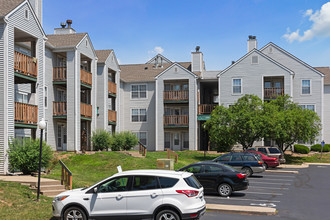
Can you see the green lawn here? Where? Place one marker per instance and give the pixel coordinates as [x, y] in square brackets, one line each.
[315, 158]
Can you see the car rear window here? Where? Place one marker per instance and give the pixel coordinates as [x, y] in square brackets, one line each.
[274, 150]
[193, 182]
[248, 158]
[166, 182]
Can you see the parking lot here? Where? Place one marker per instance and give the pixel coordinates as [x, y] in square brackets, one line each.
[265, 190]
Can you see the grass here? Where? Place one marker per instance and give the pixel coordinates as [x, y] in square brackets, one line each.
[314, 158]
[19, 202]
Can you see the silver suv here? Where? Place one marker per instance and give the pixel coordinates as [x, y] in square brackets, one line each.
[271, 152]
[135, 194]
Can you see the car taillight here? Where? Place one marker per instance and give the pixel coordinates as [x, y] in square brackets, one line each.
[189, 193]
[274, 158]
[259, 162]
[241, 175]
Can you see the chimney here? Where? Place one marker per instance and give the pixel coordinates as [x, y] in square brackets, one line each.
[69, 22]
[65, 28]
[197, 61]
[252, 43]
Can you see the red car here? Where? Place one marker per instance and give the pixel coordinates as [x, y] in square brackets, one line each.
[269, 161]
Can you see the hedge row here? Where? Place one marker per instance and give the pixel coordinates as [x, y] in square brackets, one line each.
[302, 149]
[317, 147]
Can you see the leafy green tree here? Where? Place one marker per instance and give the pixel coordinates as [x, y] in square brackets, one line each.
[24, 155]
[220, 129]
[247, 120]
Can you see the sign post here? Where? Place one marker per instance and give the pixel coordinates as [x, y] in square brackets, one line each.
[322, 146]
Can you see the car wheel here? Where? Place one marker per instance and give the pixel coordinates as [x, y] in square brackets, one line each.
[224, 189]
[167, 215]
[247, 171]
[74, 213]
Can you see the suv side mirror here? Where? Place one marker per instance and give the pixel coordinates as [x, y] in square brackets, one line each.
[95, 190]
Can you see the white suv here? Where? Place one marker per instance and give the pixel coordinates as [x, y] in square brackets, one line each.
[135, 194]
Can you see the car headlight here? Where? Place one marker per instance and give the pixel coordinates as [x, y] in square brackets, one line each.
[60, 198]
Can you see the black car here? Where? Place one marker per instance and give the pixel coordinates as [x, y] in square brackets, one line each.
[247, 162]
[216, 177]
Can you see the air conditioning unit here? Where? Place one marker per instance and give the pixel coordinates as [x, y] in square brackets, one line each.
[165, 164]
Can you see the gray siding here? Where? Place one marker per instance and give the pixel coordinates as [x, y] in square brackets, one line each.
[3, 118]
[102, 96]
[326, 119]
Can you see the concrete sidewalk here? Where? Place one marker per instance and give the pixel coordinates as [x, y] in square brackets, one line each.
[26, 179]
[241, 209]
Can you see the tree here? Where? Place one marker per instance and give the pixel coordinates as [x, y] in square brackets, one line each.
[220, 130]
[247, 120]
[287, 123]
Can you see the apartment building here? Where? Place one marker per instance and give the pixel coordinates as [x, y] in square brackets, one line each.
[22, 75]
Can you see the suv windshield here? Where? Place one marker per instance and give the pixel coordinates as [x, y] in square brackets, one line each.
[193, 182]
[274, 150]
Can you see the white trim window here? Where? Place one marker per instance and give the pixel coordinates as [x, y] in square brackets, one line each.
[139, 115]
[237, 86]
[305, 87]
[142, 136]
[309, 107]
[139, 91]
[22, 97]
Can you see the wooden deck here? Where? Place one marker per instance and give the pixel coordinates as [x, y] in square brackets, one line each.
[86, 77]
[176, 120]
[25, 65]
[59, 74]
[86, 110]
[206, 109]
[176, 96]
[112, 116]
[112, 87]
[26, 113]
[59, 109]
[273, 93]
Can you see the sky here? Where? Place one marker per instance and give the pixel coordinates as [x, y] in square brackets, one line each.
[139, 29]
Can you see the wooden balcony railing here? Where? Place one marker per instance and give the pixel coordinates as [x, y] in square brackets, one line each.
[171, 153]
[112, 87]
[26, 113]
[59, 73]
[59, 108]
[112, 115]
[176, 120]
[182, 95]
[272, 93]
[25, 65]
[86, 110]
[86, 77]
[206, 109]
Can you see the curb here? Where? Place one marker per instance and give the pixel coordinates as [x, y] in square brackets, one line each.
[282, 171]
[241, 209]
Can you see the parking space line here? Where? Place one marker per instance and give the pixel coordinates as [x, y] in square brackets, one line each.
[275, 194]
[231, 198]
[261, 187]
[275, 179]
[279, 176]
[285, 184]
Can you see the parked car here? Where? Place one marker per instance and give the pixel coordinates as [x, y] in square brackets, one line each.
[270, 152]
[269, 161]
[247, 162]
[217, 177]
[135, 194]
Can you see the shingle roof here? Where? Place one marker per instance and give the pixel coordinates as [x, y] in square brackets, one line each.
[102, 55]
[7, 6]
[65, 40]
[144, 72]
[326, 72]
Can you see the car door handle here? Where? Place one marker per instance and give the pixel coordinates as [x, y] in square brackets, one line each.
[85, 198]
[153, 195]
[119, 197]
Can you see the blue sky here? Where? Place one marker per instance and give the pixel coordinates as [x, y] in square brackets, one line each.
[138, 29]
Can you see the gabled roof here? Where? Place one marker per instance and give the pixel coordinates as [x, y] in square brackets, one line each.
[65, 40]
[156, 57]
[103, 55]
[326, 73]
[261, 54]
[7, 6]
[292, 56]
[145, 72]
[179, 65]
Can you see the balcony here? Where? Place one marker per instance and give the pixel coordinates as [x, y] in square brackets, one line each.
[273, 93]
[112, 88]
[112, 116]
[26, 115]
[59, 74]
[206, 109]
[59, 109]
[176, 96]
[86, 78]
[86, 110]
[176, 121]
[25, 66]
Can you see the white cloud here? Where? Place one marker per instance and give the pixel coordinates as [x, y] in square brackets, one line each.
[156, 50]
[320, 25]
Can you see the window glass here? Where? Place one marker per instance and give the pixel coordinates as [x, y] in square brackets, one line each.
[194, 169]
[274, 150]
[306, 87]
[143, 91]
[138, 91]
[166, 182]
[114, 185]
[144, 183]
[139, 115]
[212, 169]
[167, 140]
[193, 182]
[224, 158]
[236, 158]
[143, 115]
[237, 86]
[263, 150]
[249, 158]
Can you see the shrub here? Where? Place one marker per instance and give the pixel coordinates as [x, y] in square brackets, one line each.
[130, 140]
[317, 147]
[101, 139]
[24, 155]
[302, 149]
[117, 141]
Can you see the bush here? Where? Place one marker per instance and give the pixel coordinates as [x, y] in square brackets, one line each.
[302, 149]
[317, 147]
[101, 139]
[24, 155]
[130, 140]
[117, 141]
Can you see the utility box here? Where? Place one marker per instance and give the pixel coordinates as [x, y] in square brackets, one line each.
[165, 164]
